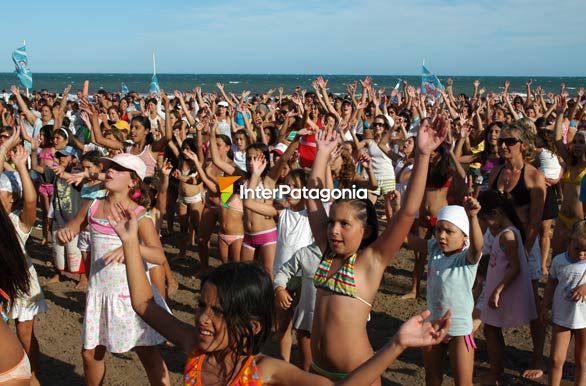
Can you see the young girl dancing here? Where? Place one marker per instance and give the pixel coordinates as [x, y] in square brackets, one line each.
[110, 324]
[355, 257]
[233, 319]
[568, 271]
[506, 300]
[19, 200]
[454, 254]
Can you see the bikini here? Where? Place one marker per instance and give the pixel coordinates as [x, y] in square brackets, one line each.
[567, 179]
[341, 282]
[262, 238]
[235, 203]
[22, 370]
[248, 375]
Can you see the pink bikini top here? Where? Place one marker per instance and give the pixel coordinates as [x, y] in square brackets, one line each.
[101, 225]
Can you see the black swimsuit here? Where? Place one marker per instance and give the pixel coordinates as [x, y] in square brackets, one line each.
[520, 193]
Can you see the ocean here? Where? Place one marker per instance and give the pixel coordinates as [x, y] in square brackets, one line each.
[260, 83]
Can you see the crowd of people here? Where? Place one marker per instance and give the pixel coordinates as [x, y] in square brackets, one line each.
[475, 185]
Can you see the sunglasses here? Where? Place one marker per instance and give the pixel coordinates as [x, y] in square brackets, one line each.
[378, 124]
[508, 141]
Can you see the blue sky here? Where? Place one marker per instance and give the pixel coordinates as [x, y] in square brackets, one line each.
[474, 37]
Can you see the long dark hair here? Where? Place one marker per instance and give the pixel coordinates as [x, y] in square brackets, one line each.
[440, 173]
[264, 149]
[14, 279]
[491, 200]
[245, 293]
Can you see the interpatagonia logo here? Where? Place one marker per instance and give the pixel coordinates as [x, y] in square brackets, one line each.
[226, 185]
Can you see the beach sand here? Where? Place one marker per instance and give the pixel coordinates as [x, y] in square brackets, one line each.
[59, 330]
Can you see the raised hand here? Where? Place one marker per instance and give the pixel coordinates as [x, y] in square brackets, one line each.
[432, 135]
[124, 222]
[258, 164]
[367, 82]
[506, 85]
[19, 156]
[220, 86]
[365, 160]
[327, 140]
[393, 198]
[418, 332]
[476, 83]
[14, 90]
[167, 168]
[178, 94]
[560, 104]
[472, 206]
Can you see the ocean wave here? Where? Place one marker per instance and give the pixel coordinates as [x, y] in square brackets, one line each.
[234, 82]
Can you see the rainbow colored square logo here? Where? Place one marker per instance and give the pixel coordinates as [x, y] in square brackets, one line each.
[226, 185]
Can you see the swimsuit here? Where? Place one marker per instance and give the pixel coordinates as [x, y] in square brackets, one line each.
[21, 371]
[247, 376]
[260, 239]
[519, 193]
[342, 281]
[567, 178]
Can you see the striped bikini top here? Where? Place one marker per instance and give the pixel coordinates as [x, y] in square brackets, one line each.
[342, 281]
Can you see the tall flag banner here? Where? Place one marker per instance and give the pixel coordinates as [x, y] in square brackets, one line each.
[124, 88]
[397, 87]
[154, 86]
[23, 71]
[430, 84]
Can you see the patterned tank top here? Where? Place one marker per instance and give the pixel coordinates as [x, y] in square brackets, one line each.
[248, 375]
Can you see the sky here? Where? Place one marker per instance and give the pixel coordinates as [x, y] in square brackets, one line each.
[379, 37]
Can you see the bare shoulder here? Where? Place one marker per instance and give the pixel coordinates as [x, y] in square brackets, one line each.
[534, 177]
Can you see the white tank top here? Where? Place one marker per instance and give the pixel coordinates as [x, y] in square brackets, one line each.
[549, 164]
[382, 166]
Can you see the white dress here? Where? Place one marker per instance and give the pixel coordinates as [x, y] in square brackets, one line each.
[25, 307]
[109, 318]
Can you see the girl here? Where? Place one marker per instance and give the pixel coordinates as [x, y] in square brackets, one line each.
[66, 202]
[15, 279]
[574, 157]
[507, 299]
[110, 324]
[14, 190]
[294, 232]
[568, 271]
[191, 196]
[549, 165]
[260, 232]
[453, 260]
[143, 145]
[46, 156]
[526, 185]
[439, 181]
[355, 258]
[233, 319]
[231, 230]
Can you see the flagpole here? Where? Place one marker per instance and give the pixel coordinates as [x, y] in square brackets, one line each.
[24, 44]
[154, 65]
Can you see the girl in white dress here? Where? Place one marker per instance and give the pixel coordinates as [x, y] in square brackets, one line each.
[110, 323]
[17, 188]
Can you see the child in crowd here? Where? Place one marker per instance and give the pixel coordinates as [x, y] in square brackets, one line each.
[568, 272]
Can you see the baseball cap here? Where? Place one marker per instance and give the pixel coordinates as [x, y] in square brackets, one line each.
[127, 161]
[223, 103]
[67, 151]
[122, 125]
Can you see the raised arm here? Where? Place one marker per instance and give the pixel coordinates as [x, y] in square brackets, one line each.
[22, 105]
[430, 136]
[29, 193]
[216, 159]
[327, 141]
[179, 96]
[476, 237]
[168, 135]
[560, 106]
[94, 124]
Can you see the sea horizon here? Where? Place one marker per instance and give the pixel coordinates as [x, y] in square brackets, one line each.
[258, 83]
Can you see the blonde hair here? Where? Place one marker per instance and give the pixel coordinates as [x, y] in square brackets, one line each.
[527, 138]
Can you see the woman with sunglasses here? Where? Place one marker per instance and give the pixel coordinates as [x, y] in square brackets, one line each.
[526, 186]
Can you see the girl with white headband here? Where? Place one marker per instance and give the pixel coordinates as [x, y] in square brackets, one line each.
[454, 254]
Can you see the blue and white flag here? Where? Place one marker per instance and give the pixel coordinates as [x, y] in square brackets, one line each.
[23, 71]
[430, 84]
[124, 88]
[154, 87]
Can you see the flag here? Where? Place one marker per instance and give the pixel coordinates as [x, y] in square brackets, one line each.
[430, 84]
[23, 72]
[154, 87]
[397, 86]
[124, 88]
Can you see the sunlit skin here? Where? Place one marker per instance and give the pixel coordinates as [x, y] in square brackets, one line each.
[211, 328]
[59, 141]
[450, 238]
[345, 231]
